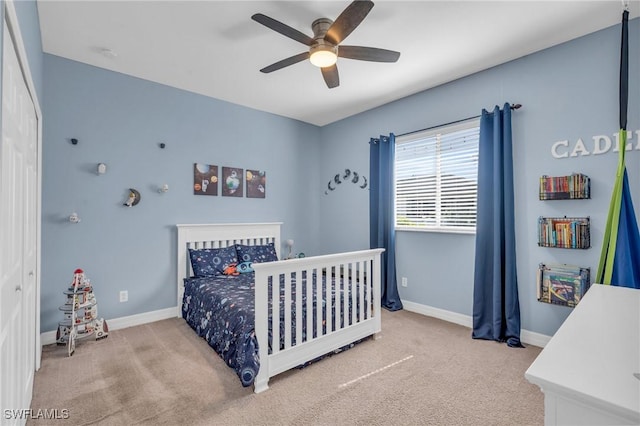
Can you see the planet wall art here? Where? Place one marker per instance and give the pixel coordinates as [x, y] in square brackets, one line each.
[205, 179]
[232, 182]
[256, 183]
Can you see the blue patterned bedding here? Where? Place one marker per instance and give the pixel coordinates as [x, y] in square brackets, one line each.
[221, 310]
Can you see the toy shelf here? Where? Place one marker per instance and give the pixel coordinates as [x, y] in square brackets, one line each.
[80, 314]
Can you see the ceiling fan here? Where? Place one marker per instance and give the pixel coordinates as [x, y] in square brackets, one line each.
[324, 46]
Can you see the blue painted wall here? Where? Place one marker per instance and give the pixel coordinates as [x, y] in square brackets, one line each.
[120, 121]
[569, 91]
[27, 13]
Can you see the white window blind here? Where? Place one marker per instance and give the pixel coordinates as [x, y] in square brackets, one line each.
[436, 176]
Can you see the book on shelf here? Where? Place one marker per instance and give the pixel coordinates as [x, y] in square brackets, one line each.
[564, 232]
[574, 186]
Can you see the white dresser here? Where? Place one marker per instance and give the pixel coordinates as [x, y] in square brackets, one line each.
[586, 371]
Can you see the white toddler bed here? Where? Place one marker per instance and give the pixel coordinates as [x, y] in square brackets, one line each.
[349, 317]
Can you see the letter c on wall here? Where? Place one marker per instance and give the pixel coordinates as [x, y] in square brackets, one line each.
[554, 149]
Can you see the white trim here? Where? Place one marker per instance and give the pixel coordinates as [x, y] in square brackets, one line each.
[419, 155]
[528, 337]
[441, 229]
[533, 338]
[139, 319]
[430, 311]
[11, 18]
[49, 337]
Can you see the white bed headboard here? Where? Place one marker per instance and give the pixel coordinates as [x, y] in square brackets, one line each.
[217, 235]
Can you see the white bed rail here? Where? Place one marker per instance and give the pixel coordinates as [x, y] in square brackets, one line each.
[351, 310]
[356, 314]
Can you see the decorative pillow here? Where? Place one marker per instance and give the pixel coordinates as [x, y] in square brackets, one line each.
[231, 270]
[244, 267]
[208, 262]
[256, 254]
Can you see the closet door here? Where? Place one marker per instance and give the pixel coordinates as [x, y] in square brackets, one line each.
[18, 227]
[28, 133]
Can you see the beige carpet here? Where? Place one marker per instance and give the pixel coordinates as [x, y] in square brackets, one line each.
[422, 371]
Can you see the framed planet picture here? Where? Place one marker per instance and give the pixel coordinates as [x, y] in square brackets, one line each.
[256, 183]
[232, 185]
[205, 179]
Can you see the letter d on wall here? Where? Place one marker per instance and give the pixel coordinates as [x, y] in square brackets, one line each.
[597, 145]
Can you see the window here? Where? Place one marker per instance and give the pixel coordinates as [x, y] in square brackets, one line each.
[436, 177]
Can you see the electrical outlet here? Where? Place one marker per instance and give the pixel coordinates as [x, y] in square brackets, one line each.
[124, 296]
[404, 282]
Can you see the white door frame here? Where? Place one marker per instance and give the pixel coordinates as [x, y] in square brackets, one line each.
[11, 20]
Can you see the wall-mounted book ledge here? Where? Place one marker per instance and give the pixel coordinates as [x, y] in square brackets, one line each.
[561, 284]
[564, 232]
[573, 187]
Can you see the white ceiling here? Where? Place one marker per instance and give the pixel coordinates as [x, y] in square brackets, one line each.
[215, 49]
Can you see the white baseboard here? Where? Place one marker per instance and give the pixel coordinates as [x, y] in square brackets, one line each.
[49, 337]
[430, 311]
[533, 338]
[528, 337]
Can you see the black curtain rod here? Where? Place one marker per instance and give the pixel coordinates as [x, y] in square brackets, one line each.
[513, 106]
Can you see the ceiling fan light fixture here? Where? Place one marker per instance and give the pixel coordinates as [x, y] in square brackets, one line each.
[323, 56]
[326, 42]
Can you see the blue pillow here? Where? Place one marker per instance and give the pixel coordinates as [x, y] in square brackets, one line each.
[244, 267]
[211, 262]
[256, 254]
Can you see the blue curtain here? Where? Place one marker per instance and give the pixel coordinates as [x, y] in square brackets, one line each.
[496, 309]
[626, 268]
[382, 233]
